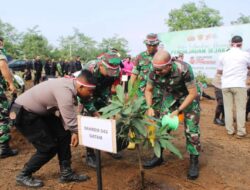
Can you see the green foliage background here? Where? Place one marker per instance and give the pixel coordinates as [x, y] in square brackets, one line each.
[32, 42]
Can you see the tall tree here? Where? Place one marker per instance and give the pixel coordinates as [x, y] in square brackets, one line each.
[34, 44]
[243, 19]
[191, 16]
[11, 37]
[121, 44]
[78, 44]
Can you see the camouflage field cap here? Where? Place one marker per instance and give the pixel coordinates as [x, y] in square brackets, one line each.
[152, 39]
[111, 62]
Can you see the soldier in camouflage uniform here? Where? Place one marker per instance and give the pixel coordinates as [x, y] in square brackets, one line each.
[5, 75]
[142, 63]
[177, 92]
[106, 69]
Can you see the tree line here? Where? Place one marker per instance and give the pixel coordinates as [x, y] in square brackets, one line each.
[32, 42]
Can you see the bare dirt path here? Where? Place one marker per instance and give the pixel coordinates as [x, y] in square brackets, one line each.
[224, 163]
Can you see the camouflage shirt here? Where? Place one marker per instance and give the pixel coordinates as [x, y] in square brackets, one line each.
[102, 92]
[142, 67]
[171, 90]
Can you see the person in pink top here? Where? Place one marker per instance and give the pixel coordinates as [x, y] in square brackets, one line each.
[127, 69]
[127, 66]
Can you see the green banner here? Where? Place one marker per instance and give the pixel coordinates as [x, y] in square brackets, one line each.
[202, 47]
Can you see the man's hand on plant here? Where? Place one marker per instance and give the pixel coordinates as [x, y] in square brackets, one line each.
[96, 114]
[174, 113]
[151, 112]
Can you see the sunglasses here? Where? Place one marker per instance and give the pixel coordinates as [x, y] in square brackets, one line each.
[152, 45]
[162, 68]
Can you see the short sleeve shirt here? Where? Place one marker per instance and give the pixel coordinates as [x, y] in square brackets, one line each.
[142, 67]
[173, 86]
[234, 64]
[102, 92]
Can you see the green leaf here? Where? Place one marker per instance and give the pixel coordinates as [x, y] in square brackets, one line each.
[134, 89]
[120, 93]
[109, 108]
[130, 86]
[111, 113]
[137, 141]
[146, 143]
[117, 102]
[157, 149]
[128, 110]
[147, 123]
[140, 127]
[168, 145]
[161, 131]
[153, 119]
[137, 104]
[166, 137]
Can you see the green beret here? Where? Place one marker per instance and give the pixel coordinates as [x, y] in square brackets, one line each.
[111, 58]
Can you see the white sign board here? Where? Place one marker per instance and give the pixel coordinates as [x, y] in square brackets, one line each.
[97, 133]
[124, 78]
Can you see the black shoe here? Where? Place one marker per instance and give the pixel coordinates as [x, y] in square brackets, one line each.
[217, 121]
[73, 177]
[28, 180]
[67, 175]
[6, 151]
[155, 161]
[193, 172]
[116, 156]
[91, 161]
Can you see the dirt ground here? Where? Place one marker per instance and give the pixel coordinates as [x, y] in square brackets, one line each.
[224, 163]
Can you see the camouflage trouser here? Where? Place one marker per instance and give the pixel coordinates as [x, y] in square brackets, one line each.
[192, 128]
[4, 117]
[191, 124]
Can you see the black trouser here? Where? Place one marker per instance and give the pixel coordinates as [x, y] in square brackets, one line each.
[48, 136]
[126, 85]
[37, 78]
[219, 111]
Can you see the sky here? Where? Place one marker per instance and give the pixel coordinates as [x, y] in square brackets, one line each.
[98, 19]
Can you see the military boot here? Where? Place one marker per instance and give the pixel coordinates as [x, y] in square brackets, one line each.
[6, 151]
[25, 178]
[91, 158]
[116, 156]
[193, 171]
[67, 175]
[155, 161]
